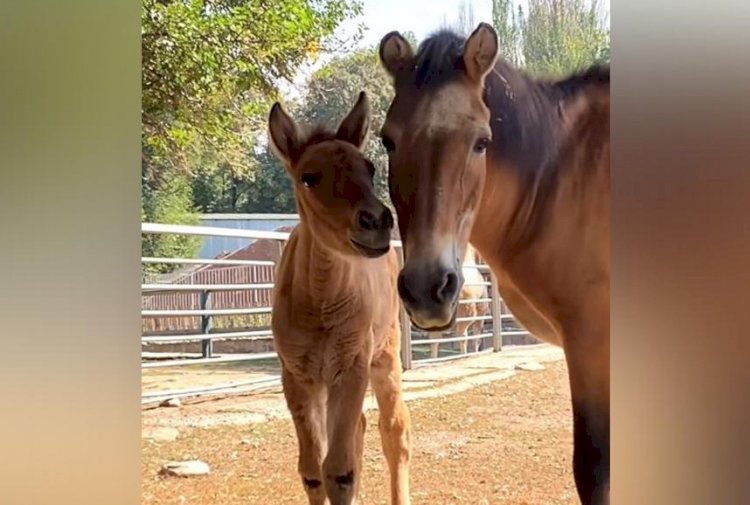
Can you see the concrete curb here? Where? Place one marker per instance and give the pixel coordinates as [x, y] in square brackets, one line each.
[420, 383]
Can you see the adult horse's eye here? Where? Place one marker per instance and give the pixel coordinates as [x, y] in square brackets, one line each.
[311, 179]
[388, 143]
[481, 145]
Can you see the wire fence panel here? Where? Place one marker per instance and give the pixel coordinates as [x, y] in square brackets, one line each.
[214, 315]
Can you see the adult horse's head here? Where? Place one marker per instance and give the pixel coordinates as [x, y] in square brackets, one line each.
[436, 132]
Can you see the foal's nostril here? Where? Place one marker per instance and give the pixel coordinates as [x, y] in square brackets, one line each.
[366, 220]
[447, 290]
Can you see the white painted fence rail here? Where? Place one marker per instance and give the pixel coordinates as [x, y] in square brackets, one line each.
[414, 343]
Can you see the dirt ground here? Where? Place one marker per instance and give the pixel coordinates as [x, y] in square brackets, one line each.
[503, 442]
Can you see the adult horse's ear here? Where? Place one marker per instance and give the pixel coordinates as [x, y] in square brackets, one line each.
[356, 124]
[283, 133]
[396, 54]
[480, 53]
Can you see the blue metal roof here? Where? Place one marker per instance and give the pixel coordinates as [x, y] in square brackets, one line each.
[213, 246]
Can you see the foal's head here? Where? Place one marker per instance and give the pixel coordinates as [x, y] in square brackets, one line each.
[334, 182]
[436, 132]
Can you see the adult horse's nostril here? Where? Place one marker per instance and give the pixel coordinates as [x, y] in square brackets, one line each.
[366, 221]
[386, 220]
[447, 290]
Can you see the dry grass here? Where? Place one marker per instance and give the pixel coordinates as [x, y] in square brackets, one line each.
[508, 442]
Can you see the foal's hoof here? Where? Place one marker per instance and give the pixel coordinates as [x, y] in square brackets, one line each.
[312, 483]
[341, 488]
[344, 481]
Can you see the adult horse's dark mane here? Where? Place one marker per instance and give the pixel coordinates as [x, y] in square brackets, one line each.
[525, 110]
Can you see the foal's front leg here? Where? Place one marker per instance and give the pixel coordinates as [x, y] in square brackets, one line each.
[395, 424]
[346, 429]
[305, 403]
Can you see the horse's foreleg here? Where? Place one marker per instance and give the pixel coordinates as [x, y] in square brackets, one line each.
[306, 407]
[588, 367]
[462, 330]
[346, 429]
[476, 343]
[395, 424]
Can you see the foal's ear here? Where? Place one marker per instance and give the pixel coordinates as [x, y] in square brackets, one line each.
[396, 54]
[284, 134]
[356, 124]
[480, 53]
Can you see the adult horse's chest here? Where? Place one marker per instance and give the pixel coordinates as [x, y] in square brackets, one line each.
[532, 316]
[522, 286]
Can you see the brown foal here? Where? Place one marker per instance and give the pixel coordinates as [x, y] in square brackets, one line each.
[481, 152]
[336, 308]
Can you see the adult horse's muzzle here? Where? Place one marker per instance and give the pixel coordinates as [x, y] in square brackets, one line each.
[429, 292]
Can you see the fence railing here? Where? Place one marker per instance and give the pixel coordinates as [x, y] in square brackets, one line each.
[197, 309]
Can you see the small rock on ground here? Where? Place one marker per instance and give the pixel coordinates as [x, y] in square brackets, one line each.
[531, 366]
[171, 402]
[185, 468]
[160, 433]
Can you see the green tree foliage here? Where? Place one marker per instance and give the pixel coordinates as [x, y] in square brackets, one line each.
[266, 189]
[507, 21]
[555, 37]
[171, 201]
[271, 190]
[217, 191]
[210, 68]
[209, 74]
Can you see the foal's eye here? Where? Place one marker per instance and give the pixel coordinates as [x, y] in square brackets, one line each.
[481, 145]
[311, 179]
[388, 143]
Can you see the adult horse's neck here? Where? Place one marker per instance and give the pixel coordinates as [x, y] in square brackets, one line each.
[531, 121]
[520, 164]
[525, 120]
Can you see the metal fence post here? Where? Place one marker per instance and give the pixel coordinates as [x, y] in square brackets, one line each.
[405, 322]
[207, 345]
[497, 315]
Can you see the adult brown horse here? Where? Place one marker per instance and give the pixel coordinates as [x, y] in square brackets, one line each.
[481, 152]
